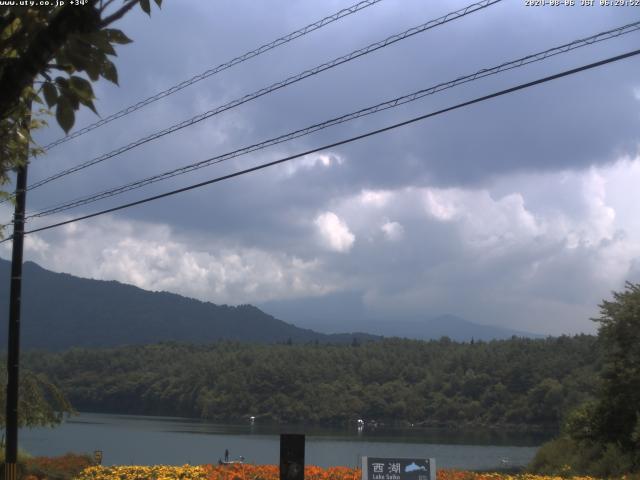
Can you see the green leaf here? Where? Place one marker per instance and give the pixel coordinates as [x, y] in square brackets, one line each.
[73, 99]
[64, 114]
[28, 91]
[93, 70]
[146, 7]
[37, 123]
[158, 2]
[62, 83]
[89, 103]
[108, 71]
[50, 93]
[82, 88]
[63, 62]
[101, 41]
[116, 36]
[77, 55]
[94, 64]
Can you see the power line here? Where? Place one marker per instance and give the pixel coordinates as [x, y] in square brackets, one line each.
[276, 86]
[536, 57]
[223, 66]
[343, 142]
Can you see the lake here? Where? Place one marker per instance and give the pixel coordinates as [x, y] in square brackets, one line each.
[130, 439]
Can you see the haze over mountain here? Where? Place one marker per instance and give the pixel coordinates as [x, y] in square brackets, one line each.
[331, 313]
[61, 311]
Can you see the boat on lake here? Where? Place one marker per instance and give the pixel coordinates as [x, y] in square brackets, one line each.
[240, 460]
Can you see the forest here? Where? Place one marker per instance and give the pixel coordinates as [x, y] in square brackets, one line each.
[522, 383]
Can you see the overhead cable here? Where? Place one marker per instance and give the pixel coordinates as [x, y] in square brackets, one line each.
[536, 57]
[276, 86]
[223, 66]
[341, 142]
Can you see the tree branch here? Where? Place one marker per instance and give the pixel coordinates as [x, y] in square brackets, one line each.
[105, 5]
[118, 14]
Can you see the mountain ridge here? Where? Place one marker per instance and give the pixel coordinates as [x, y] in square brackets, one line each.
[60, 311]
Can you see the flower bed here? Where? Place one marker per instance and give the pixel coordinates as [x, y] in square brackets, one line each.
[155, 472]
[55, 468]
[211, 472]
[271, 472]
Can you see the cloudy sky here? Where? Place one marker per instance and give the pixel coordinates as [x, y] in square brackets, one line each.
[520, 211]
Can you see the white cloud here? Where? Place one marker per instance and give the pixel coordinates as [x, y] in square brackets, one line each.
[486, 222]
[376, 198]
[314, 160]
[334, 232]
[152, 257]
[439, 206]
[392, 230]
[533, 252]
[34, 243]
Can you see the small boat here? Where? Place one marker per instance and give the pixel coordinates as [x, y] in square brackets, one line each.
[240, 461]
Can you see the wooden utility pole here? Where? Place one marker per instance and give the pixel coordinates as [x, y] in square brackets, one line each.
[13, 357]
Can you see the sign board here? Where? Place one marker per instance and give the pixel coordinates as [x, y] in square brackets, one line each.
[376, 468]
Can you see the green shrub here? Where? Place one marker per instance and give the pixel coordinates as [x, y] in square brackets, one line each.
[555, 458]
[567, 457]
[612, 461]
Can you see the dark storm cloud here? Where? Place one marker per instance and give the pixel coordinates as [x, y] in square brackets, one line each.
[551, 127]
[403, 257]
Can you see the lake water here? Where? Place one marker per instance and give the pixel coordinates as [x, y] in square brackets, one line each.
[129, 439]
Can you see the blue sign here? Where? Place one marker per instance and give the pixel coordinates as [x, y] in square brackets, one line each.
[376, 468]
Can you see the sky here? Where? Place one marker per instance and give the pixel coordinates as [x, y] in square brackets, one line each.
[519, 211]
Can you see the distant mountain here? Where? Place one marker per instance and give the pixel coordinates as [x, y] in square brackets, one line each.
[61, 311]
[453, 327]
[327, 314]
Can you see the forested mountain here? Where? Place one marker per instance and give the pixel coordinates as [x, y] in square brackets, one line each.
[523, 382]
[61, 311]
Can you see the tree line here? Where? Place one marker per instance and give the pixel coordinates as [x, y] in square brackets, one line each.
[518, 382]
[601, 437]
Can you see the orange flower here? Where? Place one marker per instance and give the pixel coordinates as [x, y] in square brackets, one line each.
[272, 472]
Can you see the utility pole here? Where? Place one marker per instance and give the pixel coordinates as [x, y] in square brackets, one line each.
[13, 357]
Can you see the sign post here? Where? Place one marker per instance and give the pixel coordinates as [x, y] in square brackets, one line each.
[376, 468]
[292, 456]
